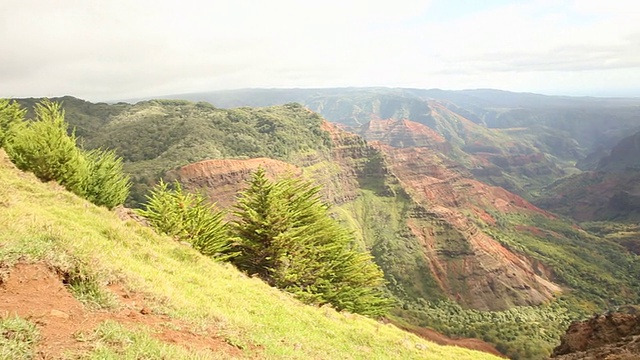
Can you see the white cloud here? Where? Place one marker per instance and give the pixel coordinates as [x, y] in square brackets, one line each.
[120, 49]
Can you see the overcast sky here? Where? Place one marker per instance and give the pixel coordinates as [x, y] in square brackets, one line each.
[108, 50]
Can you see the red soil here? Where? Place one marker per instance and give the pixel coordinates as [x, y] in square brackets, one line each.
[34, 292]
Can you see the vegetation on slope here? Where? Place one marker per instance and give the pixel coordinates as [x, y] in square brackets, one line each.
[282, 232]
[523, 332]
[158, 135]
[597, 270]
[597, 273]
[45, 148]
[40, 222]
[175, 133]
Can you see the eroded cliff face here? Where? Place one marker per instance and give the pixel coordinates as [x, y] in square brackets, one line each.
[433, 242]
[403, 133]
[469, 265]
[502, 157]
[222, 179]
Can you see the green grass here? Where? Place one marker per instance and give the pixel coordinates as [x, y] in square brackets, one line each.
[42, 223]
[18, 338]
[113, 341]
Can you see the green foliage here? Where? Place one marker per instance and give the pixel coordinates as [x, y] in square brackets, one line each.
[44, 148]
[10, 114]
[155, 136]
[18, 338]
[523, 332]
[597, 269]
[288, 238]
[381, 221]
[41, 224]
[188, 217]
[107, 185]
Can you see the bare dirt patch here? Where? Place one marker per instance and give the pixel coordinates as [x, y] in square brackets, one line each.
[34, 292]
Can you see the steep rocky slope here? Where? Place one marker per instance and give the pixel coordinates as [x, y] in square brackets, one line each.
[402, 133]
[467, 262]
[501, 157]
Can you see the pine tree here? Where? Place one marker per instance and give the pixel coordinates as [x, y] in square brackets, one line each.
[288, 237]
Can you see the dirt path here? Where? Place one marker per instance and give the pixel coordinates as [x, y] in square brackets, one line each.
[34, 292]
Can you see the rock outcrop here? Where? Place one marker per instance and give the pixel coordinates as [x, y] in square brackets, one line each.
[403, 133]
[614, 336]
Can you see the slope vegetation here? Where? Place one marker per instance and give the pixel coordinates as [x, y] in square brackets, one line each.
[443, 238]
[193, 307]
[451, 245]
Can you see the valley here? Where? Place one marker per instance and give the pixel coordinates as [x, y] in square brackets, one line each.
[494, 215]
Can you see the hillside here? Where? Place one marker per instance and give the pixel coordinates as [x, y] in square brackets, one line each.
[442, 236]
[137, 294]
[568, 128]
[609, 191]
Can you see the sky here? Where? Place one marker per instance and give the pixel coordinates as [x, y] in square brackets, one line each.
[112, 50]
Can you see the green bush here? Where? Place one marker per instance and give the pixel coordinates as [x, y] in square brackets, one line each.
[10, 114]
[44, 148]
[106, 185]
[188, 218]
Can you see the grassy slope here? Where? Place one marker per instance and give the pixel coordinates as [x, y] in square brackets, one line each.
[40, 222]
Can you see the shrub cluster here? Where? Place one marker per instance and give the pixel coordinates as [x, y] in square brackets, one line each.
[46, 148]
[281, 232]
[189, 218]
